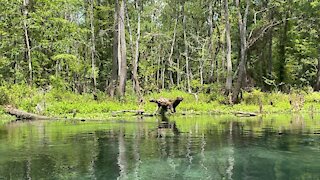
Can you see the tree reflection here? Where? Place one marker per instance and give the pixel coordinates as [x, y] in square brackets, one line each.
[122, 160]
[231, 159]
[107, 152]
[171, 148]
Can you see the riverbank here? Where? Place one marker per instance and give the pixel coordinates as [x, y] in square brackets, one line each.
[66, 104]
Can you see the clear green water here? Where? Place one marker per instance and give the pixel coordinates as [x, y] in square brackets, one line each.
[202, 147]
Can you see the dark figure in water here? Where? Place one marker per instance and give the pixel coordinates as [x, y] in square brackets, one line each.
[175, 103]
[165, 104]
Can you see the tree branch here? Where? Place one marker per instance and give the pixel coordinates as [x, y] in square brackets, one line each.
[263, 30]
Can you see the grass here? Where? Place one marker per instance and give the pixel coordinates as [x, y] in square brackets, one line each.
[58, 103]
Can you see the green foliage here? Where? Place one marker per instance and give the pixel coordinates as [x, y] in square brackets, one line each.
[58, 83]
[61, 47]
[253, 97]
[4, 96]
[64, 103]
[312, 97]
[15, 94]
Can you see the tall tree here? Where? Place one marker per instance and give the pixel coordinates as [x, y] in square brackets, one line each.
[122, 56]
[282, 51]
[242, 22]
[172, 48]
[317, 85]
[136, 57]
[214, 25]
[27, 39]
[228, 49]
[115, 66]
[186, 50]
[269, 37]
[93, 49]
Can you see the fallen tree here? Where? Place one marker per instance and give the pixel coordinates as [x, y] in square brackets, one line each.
[136, 112]
[22, 114]
[244, 114]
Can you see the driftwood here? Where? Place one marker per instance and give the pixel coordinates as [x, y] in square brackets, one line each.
[22, 114]
[245, 114]
[164, 104]
[137, 112]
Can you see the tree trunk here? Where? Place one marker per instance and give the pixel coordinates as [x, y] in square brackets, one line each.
[201, 70]
[202, 62]
[135, 51]
[186, 53]
[122, 59]
[282, 52]
[163, 69]
[22, 114]
[158, 69]
[269, 39]
[27, 39]
[228, 49]
[171, 49]
[130, 32]
[93, 50]
[214, 60]
[114, 73]
[317, 86]
[243, 53]
[210, 22]
[213, 63]
[136, 59]
[178, 73]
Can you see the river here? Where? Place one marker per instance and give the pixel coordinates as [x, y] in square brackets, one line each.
[191, 147]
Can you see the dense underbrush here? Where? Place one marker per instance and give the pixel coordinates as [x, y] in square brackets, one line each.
[57, 102]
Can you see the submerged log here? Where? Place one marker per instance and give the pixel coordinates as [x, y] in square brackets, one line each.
[137, 112]
[22, 114]
[245, 114]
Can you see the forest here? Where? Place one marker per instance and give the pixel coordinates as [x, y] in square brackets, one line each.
[218, 51]
[159, 89]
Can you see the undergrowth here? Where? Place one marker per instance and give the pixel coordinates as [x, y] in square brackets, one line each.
[62, 103]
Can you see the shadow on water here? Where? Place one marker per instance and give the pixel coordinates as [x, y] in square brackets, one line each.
[202, 147]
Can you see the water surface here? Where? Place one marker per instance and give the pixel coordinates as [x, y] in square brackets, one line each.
[200, 147]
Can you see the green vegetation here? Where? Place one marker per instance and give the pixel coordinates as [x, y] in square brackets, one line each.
[96, 57]
[58, 103]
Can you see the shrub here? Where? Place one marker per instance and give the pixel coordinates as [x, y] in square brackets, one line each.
[4, 96]
[253, 97]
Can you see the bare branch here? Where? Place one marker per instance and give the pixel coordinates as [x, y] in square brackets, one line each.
[263, 30]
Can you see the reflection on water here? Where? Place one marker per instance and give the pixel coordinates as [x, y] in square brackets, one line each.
[281, 147]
